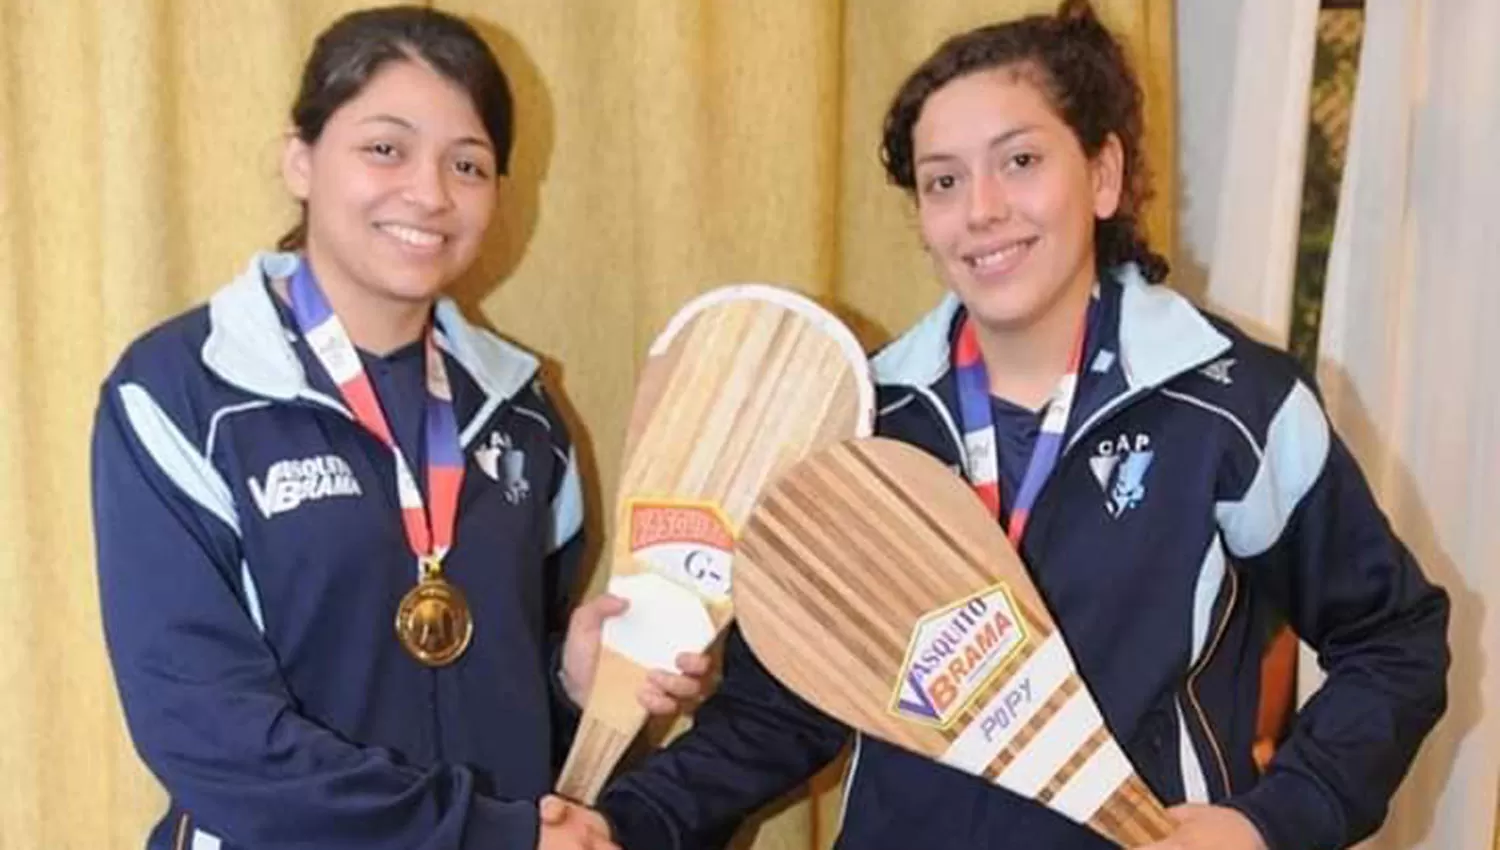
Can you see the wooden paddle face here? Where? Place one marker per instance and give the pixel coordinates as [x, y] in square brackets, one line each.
[743, 382]
[872, 582]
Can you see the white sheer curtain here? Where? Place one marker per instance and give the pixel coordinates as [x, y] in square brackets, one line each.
[1255, 235]
[1408, 365]
[1409, 368]
[1411, 327]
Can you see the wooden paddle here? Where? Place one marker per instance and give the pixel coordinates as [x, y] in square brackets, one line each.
[744, 381]
[873, 583]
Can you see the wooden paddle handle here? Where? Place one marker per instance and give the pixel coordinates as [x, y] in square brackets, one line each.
[596, 750]
[1132, 816]
[610, 722]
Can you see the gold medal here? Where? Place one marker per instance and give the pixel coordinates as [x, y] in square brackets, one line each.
[433, 620]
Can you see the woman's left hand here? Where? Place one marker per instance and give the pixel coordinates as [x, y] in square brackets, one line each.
[664, 692]
[1201, 827]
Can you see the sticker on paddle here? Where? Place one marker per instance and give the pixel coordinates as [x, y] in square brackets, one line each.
[873, 583]
[744, 381]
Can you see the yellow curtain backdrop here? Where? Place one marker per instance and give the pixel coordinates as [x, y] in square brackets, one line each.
[664, 146]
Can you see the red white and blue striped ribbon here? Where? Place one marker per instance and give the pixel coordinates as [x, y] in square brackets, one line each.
[429, 534]
[978, 422]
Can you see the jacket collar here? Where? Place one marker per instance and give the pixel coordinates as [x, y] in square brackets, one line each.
[1161, 335]
[248, 346]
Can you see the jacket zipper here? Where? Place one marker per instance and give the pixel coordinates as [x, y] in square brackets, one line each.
[1189, 687]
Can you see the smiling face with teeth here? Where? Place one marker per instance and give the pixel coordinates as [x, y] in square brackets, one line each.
[399, 190]
[1007, 200]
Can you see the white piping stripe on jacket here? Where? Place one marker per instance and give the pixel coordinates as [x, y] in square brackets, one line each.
[252, 596]
[859, 743]
[1221, 413]
[222, 413]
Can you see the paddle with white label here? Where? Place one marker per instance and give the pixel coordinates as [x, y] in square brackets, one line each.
[873, 583]
[744, 381]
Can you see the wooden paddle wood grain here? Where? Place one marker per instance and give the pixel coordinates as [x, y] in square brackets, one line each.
[873, 583]
[742, 383]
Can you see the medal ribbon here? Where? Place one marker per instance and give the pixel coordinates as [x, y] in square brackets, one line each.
[429, 535]
[978, 422]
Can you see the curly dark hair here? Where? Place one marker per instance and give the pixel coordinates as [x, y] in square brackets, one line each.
[1082, 70]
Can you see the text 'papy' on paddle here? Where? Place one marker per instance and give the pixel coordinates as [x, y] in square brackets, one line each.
[744, 381]
[872, 582]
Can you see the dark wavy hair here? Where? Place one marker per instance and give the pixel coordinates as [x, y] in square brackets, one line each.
[352, 49]
[1082, 70]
